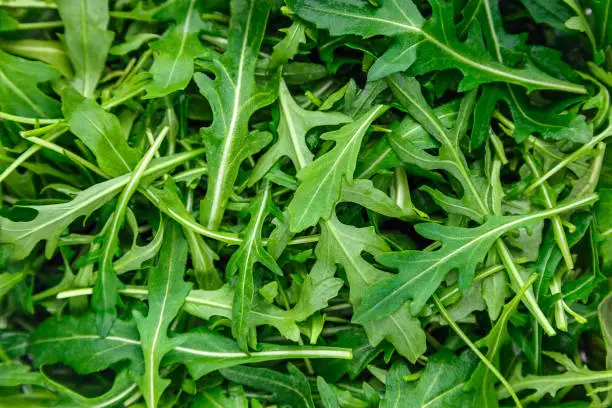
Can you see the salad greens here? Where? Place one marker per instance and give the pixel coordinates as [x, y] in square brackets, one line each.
[305, 203]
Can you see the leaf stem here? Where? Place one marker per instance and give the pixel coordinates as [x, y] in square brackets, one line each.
[40, 25]
[475, 349]
[577, 154]
[30, 151]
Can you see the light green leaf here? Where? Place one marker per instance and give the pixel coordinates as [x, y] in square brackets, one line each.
[321, 180]
[53, 219]
[344, 245]
[167, 292]
[101, 133]
[417, 38]
[243, 261]
[442, 385]
[19, 92]
[8, 280]
[396, 387]
[75, 341]
[172, 68]
[288, 47]
[87, 40]
[106, 293]
[134, 258]
[233, 96]
[292, 389]
[50, 52]
[294, 124]
[604, 312]
[328, 397]
[204, 351]
[462, 248]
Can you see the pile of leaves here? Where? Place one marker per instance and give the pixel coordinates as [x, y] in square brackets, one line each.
[309, 203]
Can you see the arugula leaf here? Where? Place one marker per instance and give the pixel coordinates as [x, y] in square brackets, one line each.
[176, 49]
[415, 37]
[105, 292]
[204, 351]
[344, 244]
[52, 219]
[243, 261]
[422, 272]
[288, 47]
[234, 97]
[75, 341]
[167, 292]
[321, 180]
[292, 389]
[293, 126]
[551, 384]
[87, 41]
[101, 133]
[443, 383]
[395, 394]
[8, 280]
[19, 93]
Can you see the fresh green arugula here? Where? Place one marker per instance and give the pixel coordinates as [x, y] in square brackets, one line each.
[305, 203]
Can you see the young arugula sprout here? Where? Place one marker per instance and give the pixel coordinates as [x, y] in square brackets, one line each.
[305, 203]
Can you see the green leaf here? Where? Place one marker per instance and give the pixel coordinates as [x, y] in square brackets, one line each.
[396, 387]
[75, 341]
[134, 258]
[417, 38]
[547, 123]
[7, 23]
[482, 378]
[101, 133]
[19, 92]
[552, 12]
[215, 397]
[50, 52]
[551, 384]
[604, 226]
[422, 272]
[292, 389]
[16, 374]
[233, 96]
[294, 124]
[243, 261]
[442, 384]
[328, 397]
[601, 12]
[321, 180]
[8, 280]
[288, 47]
[315, 292]
[122, 387]
[167, 292]
[382, 156]
[173, 68]
[204, 351]
[604, 312]
[106, 293]
[86, 40]
[344, 245]
[51, 220]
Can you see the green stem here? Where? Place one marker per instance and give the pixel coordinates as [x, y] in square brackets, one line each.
[529, 299]
[68, 154]
[577, 154]
[27, 120]
[40, 25]
[558, 230]
[30, 151]
[475, 349]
